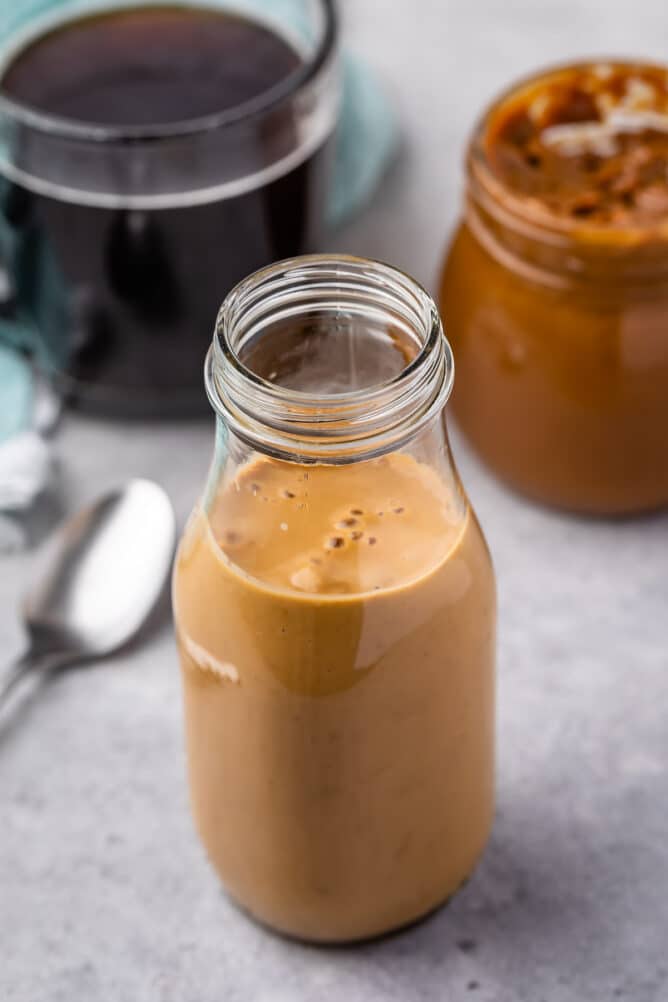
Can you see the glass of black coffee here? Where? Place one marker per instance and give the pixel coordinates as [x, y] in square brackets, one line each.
[150, 157]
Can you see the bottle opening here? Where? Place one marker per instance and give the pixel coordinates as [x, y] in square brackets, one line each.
[328, 359]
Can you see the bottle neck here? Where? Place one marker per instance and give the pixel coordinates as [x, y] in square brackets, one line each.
[328, 359]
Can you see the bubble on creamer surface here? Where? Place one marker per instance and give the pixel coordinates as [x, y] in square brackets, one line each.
[306, 579]
[314, 581]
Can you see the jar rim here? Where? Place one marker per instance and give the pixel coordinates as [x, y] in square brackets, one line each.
[339, 427]
[515, 208]
[61, 127]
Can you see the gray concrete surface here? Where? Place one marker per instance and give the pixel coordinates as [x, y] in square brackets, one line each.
[104, 891]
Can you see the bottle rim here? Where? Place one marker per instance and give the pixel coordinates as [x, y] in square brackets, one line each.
[334, 428]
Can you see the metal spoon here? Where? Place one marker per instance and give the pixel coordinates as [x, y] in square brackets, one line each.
[105, 571]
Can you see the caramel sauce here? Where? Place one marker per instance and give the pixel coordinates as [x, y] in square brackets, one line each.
[587, 143]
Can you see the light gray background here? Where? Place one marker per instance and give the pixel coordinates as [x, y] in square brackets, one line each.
[104, 891]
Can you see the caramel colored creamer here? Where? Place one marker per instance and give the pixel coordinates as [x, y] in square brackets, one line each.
[336, 631]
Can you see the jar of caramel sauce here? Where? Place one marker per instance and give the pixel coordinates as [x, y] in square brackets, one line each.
[554, 292]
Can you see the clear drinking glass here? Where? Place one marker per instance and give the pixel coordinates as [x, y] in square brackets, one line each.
[335, 609]
[119, 239]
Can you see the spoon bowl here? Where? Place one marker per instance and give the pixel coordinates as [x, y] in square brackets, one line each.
[103, 574]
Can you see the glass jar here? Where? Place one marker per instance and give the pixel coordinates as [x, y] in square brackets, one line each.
[335, 609]
[558, 313]
[119, 233]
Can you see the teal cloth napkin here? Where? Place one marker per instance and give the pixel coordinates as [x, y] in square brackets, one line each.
[16, 392]
[366, 139]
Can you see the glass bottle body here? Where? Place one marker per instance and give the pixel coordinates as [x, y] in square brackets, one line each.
[336, 628]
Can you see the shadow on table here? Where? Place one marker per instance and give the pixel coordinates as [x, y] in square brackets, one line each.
[532, 907]
[531, 903]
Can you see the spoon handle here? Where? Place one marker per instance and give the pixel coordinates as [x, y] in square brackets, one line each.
[18, 670]
[21, 668]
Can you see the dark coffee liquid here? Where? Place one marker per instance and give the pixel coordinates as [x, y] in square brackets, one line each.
[141, 288]
[149, 67]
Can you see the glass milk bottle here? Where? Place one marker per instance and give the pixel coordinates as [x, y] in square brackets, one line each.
[335, 609]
